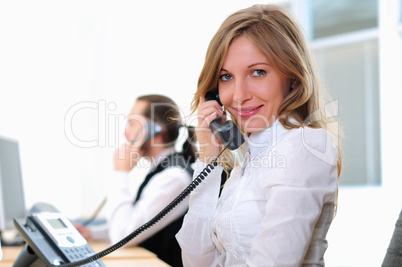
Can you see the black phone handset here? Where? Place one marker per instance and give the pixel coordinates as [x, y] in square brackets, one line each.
[227, 131]
[229, 135]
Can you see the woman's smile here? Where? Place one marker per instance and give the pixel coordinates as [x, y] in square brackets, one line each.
[246, 112]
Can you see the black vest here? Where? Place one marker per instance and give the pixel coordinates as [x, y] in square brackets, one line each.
[164, 243]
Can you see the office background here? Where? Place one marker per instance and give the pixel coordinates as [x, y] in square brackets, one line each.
[70, 72]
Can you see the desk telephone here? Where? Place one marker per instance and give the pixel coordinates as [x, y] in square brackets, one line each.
[52, 240]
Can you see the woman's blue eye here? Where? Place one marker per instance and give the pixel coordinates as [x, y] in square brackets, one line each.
[258, 72]
[225, 77]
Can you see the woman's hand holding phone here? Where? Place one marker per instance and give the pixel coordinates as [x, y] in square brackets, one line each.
[209, 144]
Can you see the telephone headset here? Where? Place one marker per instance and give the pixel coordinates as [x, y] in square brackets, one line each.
[152, 128]
[56, 242]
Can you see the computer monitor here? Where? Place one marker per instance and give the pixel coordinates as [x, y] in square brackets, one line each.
[12, 200]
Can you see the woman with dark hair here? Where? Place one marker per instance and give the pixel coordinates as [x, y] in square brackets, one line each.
[152, 131]
[279, 200]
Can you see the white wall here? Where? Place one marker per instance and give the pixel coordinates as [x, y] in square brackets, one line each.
[66, 67]
[77, 65]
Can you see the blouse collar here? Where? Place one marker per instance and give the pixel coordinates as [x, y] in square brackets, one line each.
[259, 141]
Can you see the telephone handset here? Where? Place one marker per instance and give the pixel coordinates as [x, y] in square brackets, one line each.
[51, 239]
[227, 132]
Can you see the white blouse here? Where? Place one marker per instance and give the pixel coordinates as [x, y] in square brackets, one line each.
[274, 210]
[124, 217]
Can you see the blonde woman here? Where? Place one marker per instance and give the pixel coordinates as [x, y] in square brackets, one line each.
[278, 203]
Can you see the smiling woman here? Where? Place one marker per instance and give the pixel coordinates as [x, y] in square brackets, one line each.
[250, 87]
[267, 214]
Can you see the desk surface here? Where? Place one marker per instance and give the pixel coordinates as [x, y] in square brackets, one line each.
[126, 256]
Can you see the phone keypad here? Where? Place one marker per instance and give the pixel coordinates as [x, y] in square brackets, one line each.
[79, 253]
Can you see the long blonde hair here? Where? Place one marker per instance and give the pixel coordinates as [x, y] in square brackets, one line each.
[281, 39]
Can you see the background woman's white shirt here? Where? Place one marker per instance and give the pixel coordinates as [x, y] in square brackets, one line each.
[124, 217]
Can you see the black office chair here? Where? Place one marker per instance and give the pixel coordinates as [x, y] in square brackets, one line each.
[393, 257]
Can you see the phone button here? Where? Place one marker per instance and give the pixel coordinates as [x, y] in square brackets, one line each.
[69, 238]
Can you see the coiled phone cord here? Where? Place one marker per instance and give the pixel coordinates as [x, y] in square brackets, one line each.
[203, 174]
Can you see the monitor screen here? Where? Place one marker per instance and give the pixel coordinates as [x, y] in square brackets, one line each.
[12, 201]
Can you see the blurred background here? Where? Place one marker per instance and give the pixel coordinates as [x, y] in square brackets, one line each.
[70, 72]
